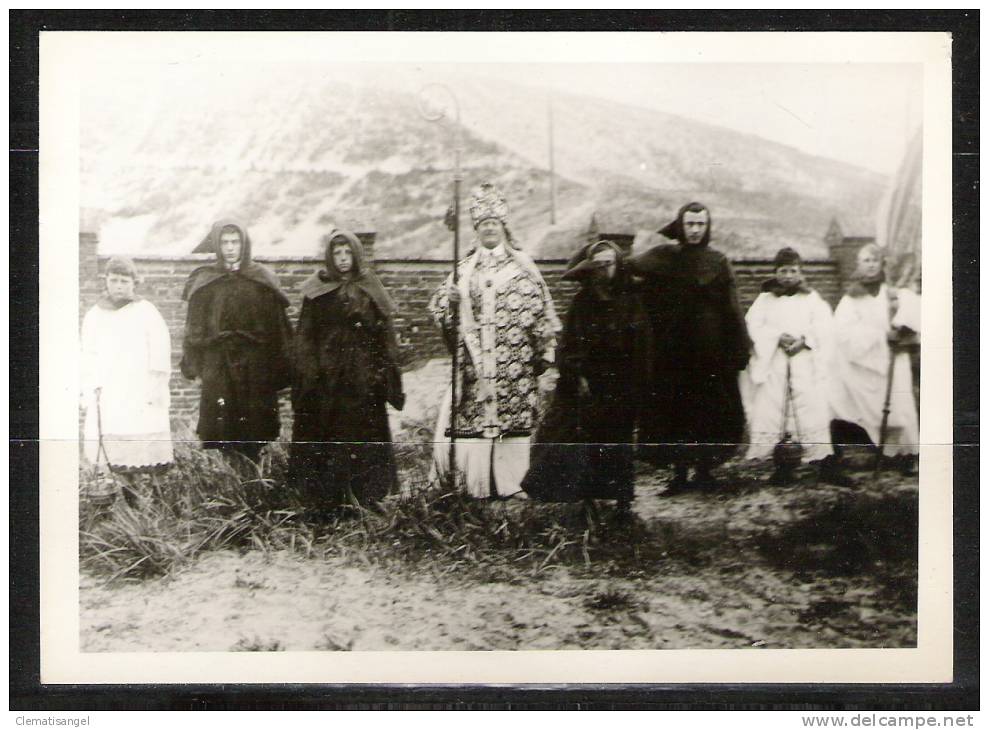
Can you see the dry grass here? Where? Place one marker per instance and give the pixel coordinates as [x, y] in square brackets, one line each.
[204, 503]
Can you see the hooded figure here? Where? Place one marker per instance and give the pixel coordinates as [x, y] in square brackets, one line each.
[347, 369]
[785, 386]
[584, 446]
[237, 339]
[876, 326]
[506, 338]
[126, 363]
[695, 416]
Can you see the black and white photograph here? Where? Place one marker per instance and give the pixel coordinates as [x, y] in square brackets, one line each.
[385, 350]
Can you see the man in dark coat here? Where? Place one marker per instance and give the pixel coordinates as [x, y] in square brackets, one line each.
[237, 340]
[695, 416]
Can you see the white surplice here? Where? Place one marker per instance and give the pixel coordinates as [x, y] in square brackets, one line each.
[763, 382]
[862, 359]
[126, 355]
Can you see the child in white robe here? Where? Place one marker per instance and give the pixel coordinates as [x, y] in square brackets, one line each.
[791, 330]
[126, 363]
[875, 325]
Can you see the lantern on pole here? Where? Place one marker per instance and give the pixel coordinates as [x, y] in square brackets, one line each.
[433, 109]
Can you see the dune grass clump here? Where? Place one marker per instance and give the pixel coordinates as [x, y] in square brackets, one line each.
[450, 533]
[611, 600]
[256, 643]
[207, 503]
[204, 502]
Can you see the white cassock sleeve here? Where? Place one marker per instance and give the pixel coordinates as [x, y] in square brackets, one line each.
[159, 349]
[821, 337]
[908, 310]
[765, 338]
[861, 338]
[159, 342]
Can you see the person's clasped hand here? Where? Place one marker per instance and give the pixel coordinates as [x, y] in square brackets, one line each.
[792, 345]
[453, 295]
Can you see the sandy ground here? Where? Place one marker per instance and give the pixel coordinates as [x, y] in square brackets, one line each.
[729, 594]
[749, 566]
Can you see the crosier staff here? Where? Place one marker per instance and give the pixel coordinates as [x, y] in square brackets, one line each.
[435, 113]
[897, 345]
[898, 233]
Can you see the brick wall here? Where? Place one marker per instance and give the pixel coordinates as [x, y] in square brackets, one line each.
[410, 282]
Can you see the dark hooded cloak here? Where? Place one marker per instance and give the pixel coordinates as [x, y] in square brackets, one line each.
[246, 267]
[584, 446]
[347, 369]
[237, 340]
[701, 342]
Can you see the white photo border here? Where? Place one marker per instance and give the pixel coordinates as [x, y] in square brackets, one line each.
[67, 56]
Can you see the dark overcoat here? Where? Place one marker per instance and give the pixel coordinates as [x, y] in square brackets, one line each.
[347, 370]
[237, 342]
[584, 447]
[701, 344]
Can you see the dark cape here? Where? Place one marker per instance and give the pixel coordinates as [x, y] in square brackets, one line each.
[584, 446]
[347, 370]
[237, 340]
[694, 415]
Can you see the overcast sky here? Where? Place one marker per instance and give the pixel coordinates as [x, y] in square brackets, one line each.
[863, 114]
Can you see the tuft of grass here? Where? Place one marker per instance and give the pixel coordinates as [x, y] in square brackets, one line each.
[257, 644]
[611, 600]
[206, 503]
[329, 643]
[251, 585]
[451, 534]
[202, 503]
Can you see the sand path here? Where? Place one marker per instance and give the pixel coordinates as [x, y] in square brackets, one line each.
[730, 596]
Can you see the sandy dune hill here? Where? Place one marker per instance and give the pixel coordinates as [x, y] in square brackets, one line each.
[160, 162]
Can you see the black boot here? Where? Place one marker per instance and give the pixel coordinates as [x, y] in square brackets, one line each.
[679, 484]
[832, 473]
[782, 476]
[704, 479]
[623, 511]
